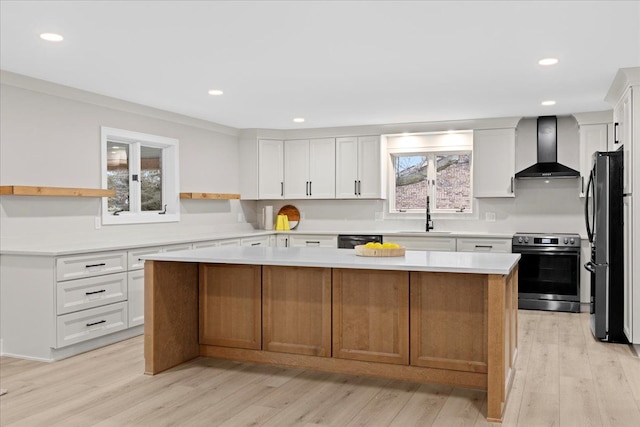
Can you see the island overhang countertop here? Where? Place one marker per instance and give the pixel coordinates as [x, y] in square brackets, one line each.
[429, 261]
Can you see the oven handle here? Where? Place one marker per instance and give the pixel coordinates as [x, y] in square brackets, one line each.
[548, 251]
[590, 267]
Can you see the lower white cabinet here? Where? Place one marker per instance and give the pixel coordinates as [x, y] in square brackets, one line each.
[229, 242]
[206, 244]
[481, 244]
[135, 281]
[92, 323]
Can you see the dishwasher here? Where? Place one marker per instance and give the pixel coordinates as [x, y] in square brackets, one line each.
[350, 241]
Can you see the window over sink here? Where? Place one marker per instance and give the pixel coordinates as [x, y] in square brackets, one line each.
[438, 165]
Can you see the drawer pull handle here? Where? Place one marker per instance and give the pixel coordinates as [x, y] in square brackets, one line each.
[95, 292]
[255, 244]
[102, 264]
[96, 323]
[484, 246]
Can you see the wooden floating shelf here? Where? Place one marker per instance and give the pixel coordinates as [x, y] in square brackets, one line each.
[21, 190]
[209, 196]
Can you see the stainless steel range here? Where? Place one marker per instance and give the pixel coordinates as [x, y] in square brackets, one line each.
[549, 272]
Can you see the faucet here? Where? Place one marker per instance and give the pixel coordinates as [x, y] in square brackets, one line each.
[429, 222]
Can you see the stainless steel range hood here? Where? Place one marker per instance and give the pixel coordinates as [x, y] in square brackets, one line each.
[547, 165]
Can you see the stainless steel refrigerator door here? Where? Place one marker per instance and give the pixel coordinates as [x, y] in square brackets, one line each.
[601, 214]
[600, 311]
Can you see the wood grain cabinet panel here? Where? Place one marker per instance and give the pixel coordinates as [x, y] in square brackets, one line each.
[449, 321]
[297, 310]
[371, 315]
[231, 305]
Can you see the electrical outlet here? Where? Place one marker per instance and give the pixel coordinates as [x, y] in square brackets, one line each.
[98, 223]
[490, 216]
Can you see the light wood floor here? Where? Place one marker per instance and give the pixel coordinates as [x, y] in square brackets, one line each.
[564, 378]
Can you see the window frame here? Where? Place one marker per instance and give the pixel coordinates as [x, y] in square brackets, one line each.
[433, 145]
[170, 177]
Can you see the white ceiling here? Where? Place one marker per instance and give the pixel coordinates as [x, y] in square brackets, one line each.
[335, 63]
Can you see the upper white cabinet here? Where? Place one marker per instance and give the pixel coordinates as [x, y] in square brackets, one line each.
[359, 168]
[270, 169]
[309, 169]
[592, 138]
[494, 162]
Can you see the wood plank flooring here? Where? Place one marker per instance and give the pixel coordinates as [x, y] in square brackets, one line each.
[563, 378]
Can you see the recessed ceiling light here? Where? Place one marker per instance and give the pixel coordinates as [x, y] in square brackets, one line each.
[547, 103]
[299, 120]
[548, 61]
[51, 37]
[215, 92]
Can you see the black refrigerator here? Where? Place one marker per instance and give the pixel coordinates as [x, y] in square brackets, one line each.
[603, 217]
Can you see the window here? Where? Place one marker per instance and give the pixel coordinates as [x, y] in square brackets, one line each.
[435, 165]
[143, 169]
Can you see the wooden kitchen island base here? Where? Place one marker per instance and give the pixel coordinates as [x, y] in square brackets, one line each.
[458, 329]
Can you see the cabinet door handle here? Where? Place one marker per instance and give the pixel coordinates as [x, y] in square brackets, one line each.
[102, 264]
[359, 188]
[511, 185]
[615, 133]
[95, 292]
[309, 187]
[582, 183]
[355, 187]
[484, 246]
[306, 188]
[281, 188]
[96, 323]
[255, 244]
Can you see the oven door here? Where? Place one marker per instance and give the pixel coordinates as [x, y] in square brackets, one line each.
[549, 275]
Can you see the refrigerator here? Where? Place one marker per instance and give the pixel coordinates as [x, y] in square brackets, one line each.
[603, 218]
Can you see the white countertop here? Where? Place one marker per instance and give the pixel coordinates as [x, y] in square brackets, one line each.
[449, 262]
[78, 245]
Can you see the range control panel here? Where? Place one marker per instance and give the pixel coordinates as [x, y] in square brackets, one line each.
[546, 240]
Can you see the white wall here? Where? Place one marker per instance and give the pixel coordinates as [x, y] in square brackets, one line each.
[51, 137]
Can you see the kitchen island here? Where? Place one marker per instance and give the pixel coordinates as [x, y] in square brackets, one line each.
[441, 317]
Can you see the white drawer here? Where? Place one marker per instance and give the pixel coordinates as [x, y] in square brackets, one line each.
[484, 245]
[255, 241]
[87, 265]
[313, 240]
[178, 247]
[207, 244]
[74, 295]
[229, 242]
[133, 257]
[92, 323]
[426, 243]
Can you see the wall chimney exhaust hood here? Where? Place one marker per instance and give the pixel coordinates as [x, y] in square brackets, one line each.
[547, 165]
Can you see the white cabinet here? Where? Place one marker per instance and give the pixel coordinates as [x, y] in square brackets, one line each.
[483, 244]
[311, 240]
[628, 314]
[623, 128]
[84, 325]
[81, 294]
[309, 169]
[592, 138]
[282, 241]
[424, 243]
[135, 281]
[359, 168]
[494, 162]
[270, 169]
[87, 265]
[624, 95]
